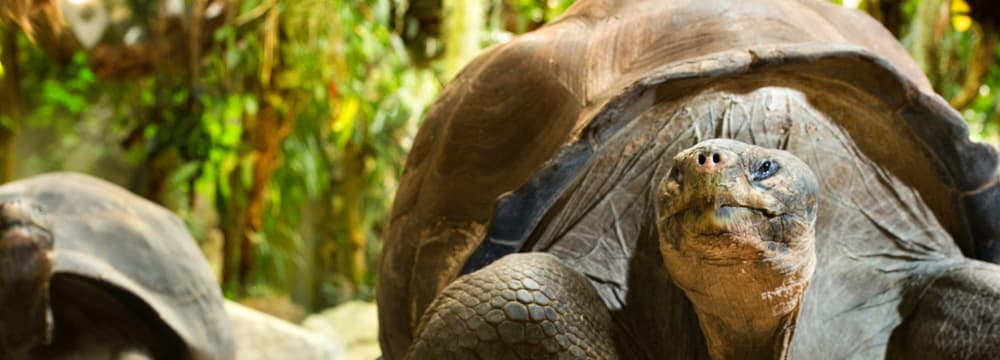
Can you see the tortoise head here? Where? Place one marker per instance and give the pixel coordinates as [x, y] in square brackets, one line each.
[736, 226]
[26, 262]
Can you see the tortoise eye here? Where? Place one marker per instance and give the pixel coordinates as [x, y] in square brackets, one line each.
[765, 169]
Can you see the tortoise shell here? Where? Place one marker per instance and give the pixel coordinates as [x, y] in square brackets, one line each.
[138, 251]
[555, 140]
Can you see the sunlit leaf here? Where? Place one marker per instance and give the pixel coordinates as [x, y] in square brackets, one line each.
[178, 98]
[86, 75]
[960, 19]
[343, 124]
[246, 167]
[231, 134]
[146, 97]
[250, 105]
[184, 173]
[54, 92]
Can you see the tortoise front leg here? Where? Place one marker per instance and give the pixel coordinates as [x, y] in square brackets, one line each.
[955, 317]
[524, 306]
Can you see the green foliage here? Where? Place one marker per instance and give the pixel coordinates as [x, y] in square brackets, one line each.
[338, 68]
[982, 116]
[358, 90]
[66, 91]
[947, 55]
[340, 73]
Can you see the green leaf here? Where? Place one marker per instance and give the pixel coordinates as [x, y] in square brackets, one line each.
[53, 92]
[343, 125]
[246, 174]
[250, 105]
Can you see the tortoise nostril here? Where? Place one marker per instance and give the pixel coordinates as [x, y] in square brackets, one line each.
[701, 159]
[716, 158]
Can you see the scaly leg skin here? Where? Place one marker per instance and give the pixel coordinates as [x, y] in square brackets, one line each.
[524, 306]
[956, 317]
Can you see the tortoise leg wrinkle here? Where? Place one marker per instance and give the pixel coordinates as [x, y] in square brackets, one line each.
[956, 317]
[523, 306]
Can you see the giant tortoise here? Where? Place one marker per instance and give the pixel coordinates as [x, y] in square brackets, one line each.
[91, 271]
[537, 215]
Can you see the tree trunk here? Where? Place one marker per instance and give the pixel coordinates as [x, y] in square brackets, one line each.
[318, 233]
[266, 136]
[889, 13]
[263, 133]
[243, 216]
[352, 212]
[10, 103]
[7, 152]
[924, 34]
[463, 21]
[232, 217]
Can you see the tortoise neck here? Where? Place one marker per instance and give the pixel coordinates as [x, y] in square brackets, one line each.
[741, 335]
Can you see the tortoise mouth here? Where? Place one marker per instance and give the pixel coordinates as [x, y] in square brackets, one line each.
[722, 220]
[722, 203]
[732, 209]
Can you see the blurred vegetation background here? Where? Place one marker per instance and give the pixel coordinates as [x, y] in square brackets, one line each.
[277, 129]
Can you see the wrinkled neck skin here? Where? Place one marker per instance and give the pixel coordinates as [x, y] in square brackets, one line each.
[747, 307]
[751, 311]
[746, 291]
[768, 338]
[741, 246]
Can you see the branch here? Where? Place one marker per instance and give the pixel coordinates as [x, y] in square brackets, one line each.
[174, 38]
[979, 65]
[26, 14]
